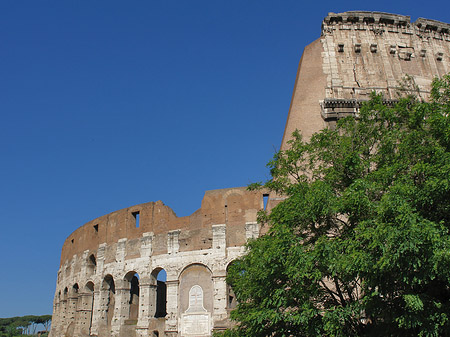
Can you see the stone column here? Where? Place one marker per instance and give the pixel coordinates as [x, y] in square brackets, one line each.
[84, 263]
[122, 306]
[219, 239]
[251, 230]
[220, 299]
[172, 307]
[173, 245]
[147, 306]
[62, 326]
[55, 320]
[98, 311]
[72, 307]
[147, 301]
[146, 245]
[101, 258]
[84, 314]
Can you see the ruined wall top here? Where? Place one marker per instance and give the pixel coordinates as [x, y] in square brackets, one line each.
[233, 207]
[361, 20]
[362, 52]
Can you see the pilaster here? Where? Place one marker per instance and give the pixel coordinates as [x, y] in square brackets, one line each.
[122, 306]
[172, 306]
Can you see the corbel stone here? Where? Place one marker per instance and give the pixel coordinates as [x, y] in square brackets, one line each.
[392, 49]
[146, 249]
[251, 230]
[173, 245]
[219, 238]
[101, 258]
[121, 250]
[84, 262]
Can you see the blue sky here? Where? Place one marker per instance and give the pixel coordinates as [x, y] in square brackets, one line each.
[108, 104]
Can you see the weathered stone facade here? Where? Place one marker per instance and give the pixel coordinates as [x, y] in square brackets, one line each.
[107, 283]
[360, 52]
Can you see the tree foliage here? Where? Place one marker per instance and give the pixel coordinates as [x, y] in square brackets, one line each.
[361, 245]
[23, 325]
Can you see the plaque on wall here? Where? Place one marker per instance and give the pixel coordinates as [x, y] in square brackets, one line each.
[196, 324]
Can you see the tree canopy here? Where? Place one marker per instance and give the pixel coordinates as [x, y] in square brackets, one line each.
[361, 245]
[23, 325]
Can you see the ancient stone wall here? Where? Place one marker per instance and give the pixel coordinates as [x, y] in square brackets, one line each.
[108, 284]
[361, 52]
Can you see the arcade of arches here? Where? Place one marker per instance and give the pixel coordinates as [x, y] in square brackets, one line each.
[165, 278]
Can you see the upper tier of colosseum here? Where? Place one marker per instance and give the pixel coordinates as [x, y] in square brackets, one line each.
[233, 207]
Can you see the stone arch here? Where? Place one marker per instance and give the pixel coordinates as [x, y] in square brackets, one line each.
[196, 274]
[75, 288]
[194, 264]
[72, 305]
[132, 281]
[89, 287]
[231, 297]
[91, 265]
[233, 191]
[73, 300]
[108, 294]
[64, 308]
[196, 300]
[87, 307]
[159, 295]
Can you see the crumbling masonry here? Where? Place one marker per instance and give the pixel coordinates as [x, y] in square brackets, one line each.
[108, 282]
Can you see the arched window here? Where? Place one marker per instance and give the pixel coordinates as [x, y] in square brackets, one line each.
[133, 279]
[89, 287]
[231, 297]
[91, 265]
[88, 306]
[109, 292]
[159, 277]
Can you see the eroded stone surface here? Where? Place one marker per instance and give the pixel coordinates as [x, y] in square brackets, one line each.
[107, 285]
[360, 52]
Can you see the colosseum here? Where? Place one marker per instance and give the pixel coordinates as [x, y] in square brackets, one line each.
[110, 279]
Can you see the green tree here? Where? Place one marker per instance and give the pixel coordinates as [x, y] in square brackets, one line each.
[361, 245]
[23, 325]
[45, 320]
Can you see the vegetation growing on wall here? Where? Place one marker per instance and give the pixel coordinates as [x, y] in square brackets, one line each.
[24, 325]
[361, 245]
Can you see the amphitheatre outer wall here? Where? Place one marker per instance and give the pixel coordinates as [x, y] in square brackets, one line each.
[108, 285]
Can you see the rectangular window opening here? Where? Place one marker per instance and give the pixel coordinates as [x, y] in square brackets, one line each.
[136, 218]
[96, 228]
[265, 200]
